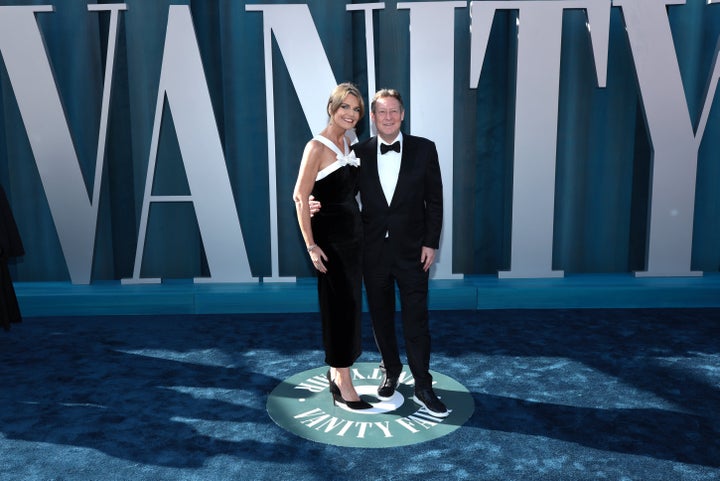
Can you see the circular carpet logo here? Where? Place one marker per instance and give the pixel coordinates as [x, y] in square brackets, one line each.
[302, 404]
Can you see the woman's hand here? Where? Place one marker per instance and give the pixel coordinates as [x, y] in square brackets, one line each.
[318, 258]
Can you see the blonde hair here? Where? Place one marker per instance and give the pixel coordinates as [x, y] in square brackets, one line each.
[340, 93]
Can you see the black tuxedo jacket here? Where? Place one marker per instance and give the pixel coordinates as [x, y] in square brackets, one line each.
[414, 216]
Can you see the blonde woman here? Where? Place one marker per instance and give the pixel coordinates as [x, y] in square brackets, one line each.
[329, 170]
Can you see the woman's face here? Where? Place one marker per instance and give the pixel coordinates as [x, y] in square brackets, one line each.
[348, 114]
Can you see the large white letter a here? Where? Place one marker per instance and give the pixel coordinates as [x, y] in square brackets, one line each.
[182, 82]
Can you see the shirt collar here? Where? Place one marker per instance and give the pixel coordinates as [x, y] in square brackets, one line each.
[396, 139]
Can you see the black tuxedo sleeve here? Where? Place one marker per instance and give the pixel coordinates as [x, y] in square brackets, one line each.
[433, 199]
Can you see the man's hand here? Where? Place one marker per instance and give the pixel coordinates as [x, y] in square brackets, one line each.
[314, 205]
[427, 257]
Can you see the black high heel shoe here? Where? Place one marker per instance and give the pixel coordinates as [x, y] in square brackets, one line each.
[337, 397]
[334, 389]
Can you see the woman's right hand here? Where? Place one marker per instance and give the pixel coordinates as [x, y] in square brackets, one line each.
[318, 258]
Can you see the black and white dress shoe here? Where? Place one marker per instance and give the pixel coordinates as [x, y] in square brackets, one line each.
[427, 399]
[387, 387]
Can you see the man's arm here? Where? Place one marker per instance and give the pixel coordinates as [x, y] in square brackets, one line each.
[433, 200]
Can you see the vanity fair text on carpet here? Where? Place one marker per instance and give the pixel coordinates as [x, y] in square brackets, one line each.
[319, 419]
[675, 140]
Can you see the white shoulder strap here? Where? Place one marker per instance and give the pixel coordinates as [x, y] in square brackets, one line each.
[330, 144]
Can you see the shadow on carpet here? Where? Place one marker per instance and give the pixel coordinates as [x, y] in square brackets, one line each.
[559, 394]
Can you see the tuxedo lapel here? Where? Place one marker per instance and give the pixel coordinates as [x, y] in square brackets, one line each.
[408, 153]
[373, 172]
[372, 189]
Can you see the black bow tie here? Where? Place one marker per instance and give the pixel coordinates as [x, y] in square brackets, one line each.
[385, 148]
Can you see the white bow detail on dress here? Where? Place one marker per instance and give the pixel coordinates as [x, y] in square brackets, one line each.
[349, 159]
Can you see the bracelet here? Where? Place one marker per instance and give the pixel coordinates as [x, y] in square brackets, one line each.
[311, 247]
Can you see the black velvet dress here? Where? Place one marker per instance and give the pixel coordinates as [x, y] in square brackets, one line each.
[10, 246]
[337, 229]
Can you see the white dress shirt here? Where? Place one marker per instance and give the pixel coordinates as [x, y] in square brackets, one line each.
[388, 165]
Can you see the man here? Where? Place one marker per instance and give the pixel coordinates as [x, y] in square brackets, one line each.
[401, 195]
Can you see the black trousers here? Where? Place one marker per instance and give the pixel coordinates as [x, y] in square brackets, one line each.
[382, 272]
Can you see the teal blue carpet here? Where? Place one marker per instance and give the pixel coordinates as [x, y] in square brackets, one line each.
[582, 394]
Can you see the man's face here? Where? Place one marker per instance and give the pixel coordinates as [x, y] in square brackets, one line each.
[388, 117]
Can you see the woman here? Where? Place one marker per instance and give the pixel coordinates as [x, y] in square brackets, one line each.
[329, 171]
